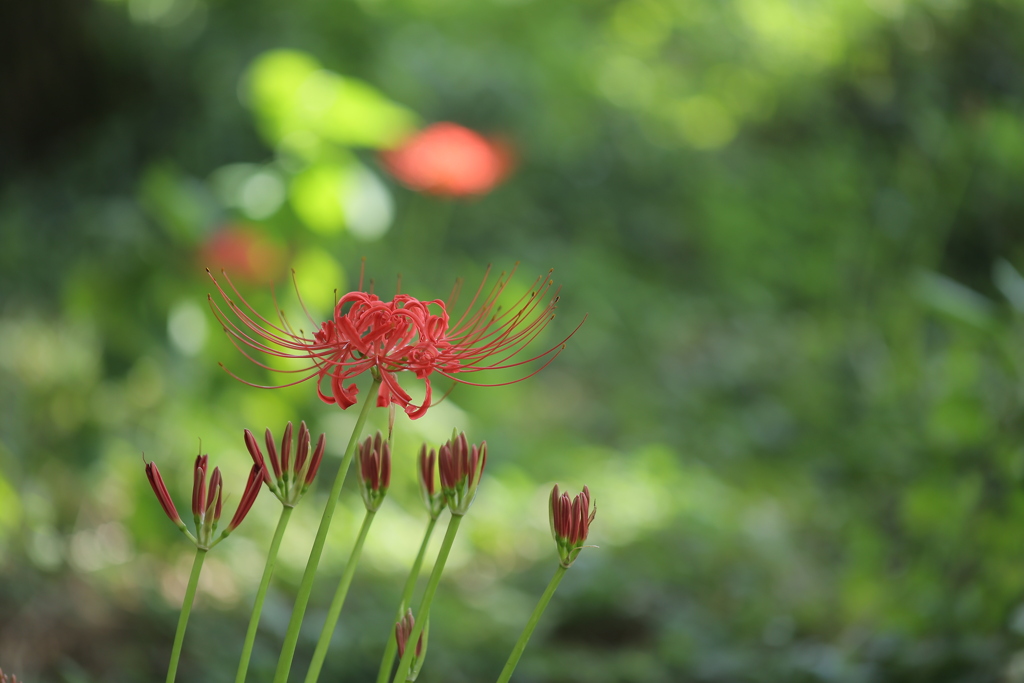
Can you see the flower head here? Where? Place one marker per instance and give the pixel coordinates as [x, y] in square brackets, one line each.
[448, 160]
[4, 678]
[433, 497]
[288, 478]
[403, 629]
[461, 467]
[570, 520]
[384, 338]
[207, 500]
[374, 471]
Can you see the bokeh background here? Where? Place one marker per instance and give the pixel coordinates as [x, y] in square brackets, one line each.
[795, 228]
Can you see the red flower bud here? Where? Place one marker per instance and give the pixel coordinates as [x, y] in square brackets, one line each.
[257, 457]
[199, 486]
[318, 455]
[272, 451]
[252, 489]
[570, 522]
[162, 495]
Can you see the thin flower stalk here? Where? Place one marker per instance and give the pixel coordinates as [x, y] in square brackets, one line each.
[385, 338]
[374, 469]
[186, 610]
[405, 661]
[261, 594]
[291, 640]
[288, 479]
[434, 502]
[338, 602]
[524, 638]
[570, 523]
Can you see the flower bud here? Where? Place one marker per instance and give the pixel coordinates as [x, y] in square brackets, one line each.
[374, 471]
[403, 629]
[252, 489]
[461, 466]
[433, 498]
[570, 520]
[162, 495]
[290, 477]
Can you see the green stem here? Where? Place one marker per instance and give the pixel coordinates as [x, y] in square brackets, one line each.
[423, 613]
[410, 585]
[186, 609]
[291, 639]
[261, 594]
[524, 638]
[339, 601]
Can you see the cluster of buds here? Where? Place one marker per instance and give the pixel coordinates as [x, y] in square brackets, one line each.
[207, 501]
[461, 467]
[290, 477]
[570, 522]
[374, 471]
[4, 678]
[433, 497]
[403, 629]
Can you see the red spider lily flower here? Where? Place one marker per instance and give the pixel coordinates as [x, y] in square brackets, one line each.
[403, 629]
[291, 479]
[374, 471]
[162, 495]
[570, 520]
[448, 160]
[384, 338]
[461, 466]
[433, 498]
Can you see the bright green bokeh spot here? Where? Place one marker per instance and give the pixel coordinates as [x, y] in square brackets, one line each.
[292, 93]
[10, 504]
[316, 196]
[704, 122]
[318, 276]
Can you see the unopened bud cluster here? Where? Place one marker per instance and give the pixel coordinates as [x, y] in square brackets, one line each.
[570, 523]
[374, 471]
[289, 478]
[461, 467]
[4, 678]
[433, 496]
[207, 500]
[403, 629]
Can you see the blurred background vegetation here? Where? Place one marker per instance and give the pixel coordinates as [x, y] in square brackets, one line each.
[795, 227]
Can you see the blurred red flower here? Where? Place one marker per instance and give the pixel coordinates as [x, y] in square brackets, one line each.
[448, 160]
[244, 251]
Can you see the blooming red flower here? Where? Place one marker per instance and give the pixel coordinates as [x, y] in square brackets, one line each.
[368, 334]
[449, 160]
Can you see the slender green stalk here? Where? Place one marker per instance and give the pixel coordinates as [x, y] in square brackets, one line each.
[186, 609]
[291, 639]
[338, 602]
[423, 613]
[261, 593]
[524, 637]
[410, 585]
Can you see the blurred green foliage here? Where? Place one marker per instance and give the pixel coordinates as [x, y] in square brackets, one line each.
[794, 228]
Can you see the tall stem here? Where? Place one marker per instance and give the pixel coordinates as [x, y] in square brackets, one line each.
[423, 613]
[291, 639]
[524, 637]
[261, 594]
[338, 602]
[410, 585]
[186, 609]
